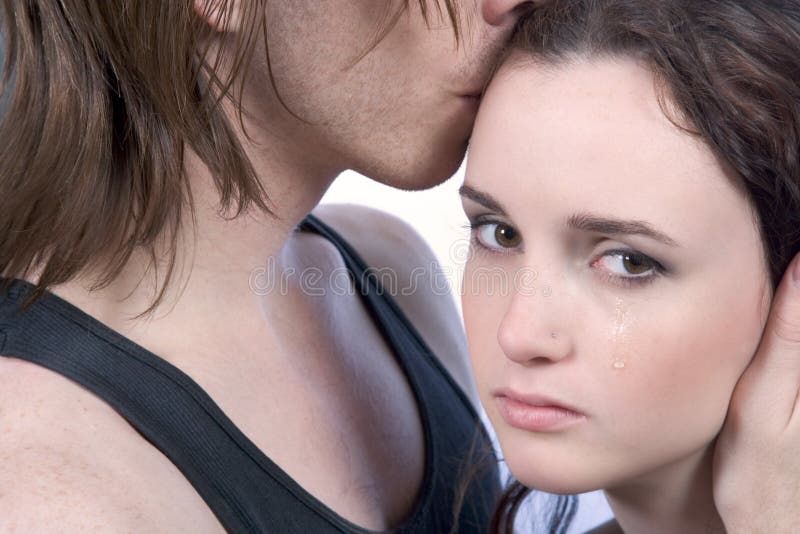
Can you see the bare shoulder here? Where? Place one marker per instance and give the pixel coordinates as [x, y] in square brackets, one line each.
[68, 460]
[406, 261]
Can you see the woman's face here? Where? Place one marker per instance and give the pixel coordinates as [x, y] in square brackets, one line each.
[616, 271]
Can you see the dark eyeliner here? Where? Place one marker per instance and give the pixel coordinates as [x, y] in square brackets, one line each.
[476, 223]
[632, 281]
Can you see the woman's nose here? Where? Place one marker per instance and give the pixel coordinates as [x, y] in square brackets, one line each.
[535, 328]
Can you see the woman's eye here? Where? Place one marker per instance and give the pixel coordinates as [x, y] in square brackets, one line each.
[628, 264]
[497, 236]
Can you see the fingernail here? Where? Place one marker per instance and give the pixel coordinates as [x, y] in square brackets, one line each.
[796, 271]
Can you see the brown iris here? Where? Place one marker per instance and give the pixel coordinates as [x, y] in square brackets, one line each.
[506, 236]
[636, 264]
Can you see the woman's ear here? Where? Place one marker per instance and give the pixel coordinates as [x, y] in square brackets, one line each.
[221, 15]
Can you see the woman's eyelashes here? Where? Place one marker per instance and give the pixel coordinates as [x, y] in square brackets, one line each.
[621, 266]
[494, 236]
[627, 267]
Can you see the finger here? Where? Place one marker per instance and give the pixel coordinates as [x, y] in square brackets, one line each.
[770, 384]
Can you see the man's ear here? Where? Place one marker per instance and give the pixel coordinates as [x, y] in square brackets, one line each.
[221, 15]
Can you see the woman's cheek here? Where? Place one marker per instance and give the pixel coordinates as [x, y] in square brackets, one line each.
[681, 363]
[482, 316]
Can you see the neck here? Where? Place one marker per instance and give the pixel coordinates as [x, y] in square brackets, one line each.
[676, 498]
[217, 256]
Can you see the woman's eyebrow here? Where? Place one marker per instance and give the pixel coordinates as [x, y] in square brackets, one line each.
[484, 199]
[605, 225]
[580, 221]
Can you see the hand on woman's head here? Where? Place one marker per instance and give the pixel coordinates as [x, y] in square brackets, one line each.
[756, 462]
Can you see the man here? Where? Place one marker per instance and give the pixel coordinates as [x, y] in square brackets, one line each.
[334, 413]
[348, 420]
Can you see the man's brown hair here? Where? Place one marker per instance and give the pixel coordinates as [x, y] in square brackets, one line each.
[102, 98]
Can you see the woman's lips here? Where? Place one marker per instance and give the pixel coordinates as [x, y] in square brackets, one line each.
[535, 413]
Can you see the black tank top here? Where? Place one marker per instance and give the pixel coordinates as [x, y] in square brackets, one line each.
[247, 491]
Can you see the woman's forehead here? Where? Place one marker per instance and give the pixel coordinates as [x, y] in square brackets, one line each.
[593, 135]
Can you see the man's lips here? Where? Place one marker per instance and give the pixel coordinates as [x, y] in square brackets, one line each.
[472, 100]
[473, 95]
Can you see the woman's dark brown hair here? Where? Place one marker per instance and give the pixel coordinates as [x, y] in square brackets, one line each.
[101, 100]
[729, 73]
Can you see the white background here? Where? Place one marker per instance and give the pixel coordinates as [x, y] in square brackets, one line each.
[436, 215]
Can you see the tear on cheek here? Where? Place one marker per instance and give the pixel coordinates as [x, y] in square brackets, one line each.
[619, 335]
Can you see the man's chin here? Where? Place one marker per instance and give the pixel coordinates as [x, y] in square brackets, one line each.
[424, 177]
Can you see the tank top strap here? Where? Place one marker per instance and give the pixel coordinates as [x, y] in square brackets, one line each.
[240, 484]
[404, 338]
[459, 449]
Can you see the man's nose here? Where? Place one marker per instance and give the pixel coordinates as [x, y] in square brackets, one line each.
[502, 12]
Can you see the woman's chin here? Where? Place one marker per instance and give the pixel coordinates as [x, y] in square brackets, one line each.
[558, 483]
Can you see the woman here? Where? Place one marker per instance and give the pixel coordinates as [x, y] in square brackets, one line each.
[158, 161]
[635, 171]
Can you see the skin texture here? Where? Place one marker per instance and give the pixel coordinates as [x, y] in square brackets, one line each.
[397, 114]
[350, 430]
[755, 460]
[651, 365]
[298, 162]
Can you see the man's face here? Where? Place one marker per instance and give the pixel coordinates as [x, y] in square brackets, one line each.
[400, 113]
